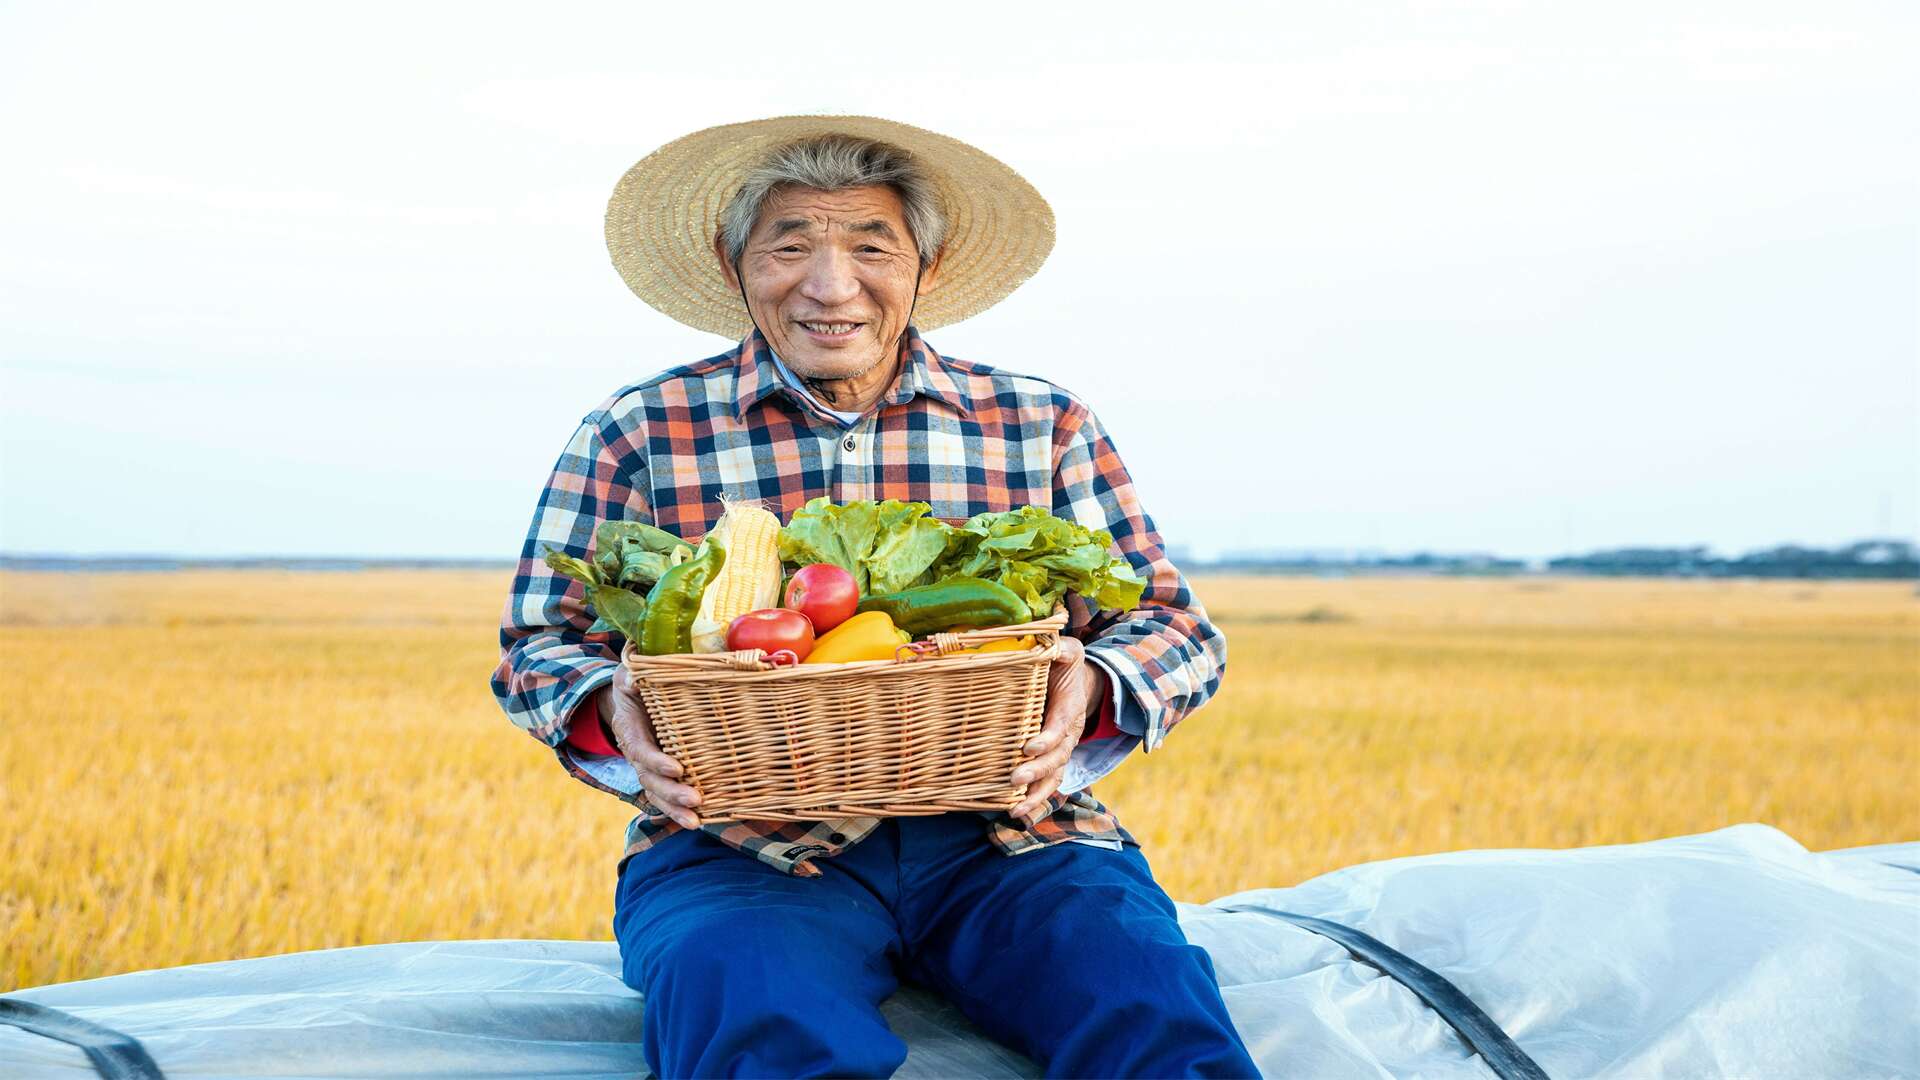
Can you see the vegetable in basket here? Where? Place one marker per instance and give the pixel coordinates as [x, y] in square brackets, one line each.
[614, 608]
[885, 546]
[957, 601]
[869, 635]
[633, 554]
[772, 631]
[824, 593]
[1041, 558]
[749, 580]
[1017, 644]
[628, 558]
[892, 546]
[675, 601]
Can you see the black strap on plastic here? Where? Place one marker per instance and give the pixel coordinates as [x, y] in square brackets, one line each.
[115, 1056]
[1475, 1027]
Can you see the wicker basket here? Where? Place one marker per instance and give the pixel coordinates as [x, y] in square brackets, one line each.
[924, 733]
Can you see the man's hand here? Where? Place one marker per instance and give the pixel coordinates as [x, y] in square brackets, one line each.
[1075, 689]
[633, 733]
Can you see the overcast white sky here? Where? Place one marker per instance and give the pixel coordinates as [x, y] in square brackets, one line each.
[1519, 277]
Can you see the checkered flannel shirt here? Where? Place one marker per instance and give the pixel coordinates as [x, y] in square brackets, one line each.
[963, 437]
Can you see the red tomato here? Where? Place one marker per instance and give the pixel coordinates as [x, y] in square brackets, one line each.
[824, 593]
[772, 629]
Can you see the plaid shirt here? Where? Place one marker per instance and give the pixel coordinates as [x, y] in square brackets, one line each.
[963, 437]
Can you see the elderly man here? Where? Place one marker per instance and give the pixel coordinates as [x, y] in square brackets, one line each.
[765, 948]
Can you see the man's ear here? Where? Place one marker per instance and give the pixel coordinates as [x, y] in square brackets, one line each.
[931, 275]
[726, 265]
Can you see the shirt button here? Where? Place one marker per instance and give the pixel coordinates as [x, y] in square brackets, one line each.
[837, 838]
[848, 445]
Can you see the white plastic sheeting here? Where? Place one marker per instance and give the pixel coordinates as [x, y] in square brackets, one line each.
[1736, 953]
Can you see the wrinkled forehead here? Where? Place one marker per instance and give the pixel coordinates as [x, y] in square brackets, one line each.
[855, 211]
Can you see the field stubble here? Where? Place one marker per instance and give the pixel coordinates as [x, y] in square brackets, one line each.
[207, 765]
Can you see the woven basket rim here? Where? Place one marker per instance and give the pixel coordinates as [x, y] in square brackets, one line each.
[753, 662]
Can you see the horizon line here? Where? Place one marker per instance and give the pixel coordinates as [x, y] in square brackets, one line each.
[1305, 556]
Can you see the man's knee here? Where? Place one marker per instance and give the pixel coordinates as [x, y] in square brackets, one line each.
[1142, 1001]
[1145, 1003]
[729, 995]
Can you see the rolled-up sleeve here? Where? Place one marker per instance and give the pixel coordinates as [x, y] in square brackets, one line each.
[550, 664]
[1164, 657]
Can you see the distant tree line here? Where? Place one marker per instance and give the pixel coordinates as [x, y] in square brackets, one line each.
[1472, 565]
[1865, 559]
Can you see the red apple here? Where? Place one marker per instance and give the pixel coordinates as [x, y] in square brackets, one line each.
[772, 629]
[824, 593]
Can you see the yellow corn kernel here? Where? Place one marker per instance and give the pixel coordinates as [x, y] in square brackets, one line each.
[750, 579]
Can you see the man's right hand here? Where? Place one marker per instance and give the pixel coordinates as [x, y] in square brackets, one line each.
[633, 733]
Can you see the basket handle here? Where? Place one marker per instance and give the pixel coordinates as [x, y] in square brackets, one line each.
[738, 660]
[948, 642]
[941, 644]
[920, 650]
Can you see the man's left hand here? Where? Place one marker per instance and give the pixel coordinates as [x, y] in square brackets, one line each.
[1075, 690]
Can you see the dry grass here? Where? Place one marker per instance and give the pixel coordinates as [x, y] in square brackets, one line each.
[201, 766]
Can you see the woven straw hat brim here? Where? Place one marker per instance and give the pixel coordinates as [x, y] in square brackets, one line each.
[665, 213]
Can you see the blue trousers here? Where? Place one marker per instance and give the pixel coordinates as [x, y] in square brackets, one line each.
[1070, 954]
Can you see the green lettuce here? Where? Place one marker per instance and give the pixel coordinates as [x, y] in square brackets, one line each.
[895, 545]
[1041, 558]
[885, 546]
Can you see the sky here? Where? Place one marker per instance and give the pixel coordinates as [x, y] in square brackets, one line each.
[1506, 277]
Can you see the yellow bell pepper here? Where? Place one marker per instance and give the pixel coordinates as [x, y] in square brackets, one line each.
[869, 635]
[1018, 644]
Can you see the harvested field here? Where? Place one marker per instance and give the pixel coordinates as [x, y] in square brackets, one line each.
[206, 765]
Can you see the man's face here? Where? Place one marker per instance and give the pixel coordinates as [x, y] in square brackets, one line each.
[829, 278]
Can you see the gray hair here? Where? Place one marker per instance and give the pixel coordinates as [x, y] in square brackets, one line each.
[835, 163]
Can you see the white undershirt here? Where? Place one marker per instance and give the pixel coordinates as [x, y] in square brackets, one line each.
[798, 386]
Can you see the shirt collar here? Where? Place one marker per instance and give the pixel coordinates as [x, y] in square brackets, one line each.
[923, 372]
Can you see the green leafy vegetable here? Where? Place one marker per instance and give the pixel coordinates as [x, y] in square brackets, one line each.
[885, 546]
[614, 607]
[633, 554]
[627, 611]
[895, 545]
[578, 569]
[1041, 558]
[905, 551]
[674, 601]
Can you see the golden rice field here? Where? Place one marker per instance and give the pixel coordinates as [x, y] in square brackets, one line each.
[201, 766]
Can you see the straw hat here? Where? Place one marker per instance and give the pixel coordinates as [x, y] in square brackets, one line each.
[665, 213]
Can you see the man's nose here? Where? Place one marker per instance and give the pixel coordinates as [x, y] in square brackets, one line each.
[830, 279]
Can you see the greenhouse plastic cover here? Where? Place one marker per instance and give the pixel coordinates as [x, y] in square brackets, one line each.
[1735, 953]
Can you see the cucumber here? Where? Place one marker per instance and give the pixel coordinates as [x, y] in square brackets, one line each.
[956, 601]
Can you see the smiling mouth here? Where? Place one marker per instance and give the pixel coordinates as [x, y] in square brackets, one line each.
[831, 329]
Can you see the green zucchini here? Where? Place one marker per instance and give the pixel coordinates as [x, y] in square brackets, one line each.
[956, 601]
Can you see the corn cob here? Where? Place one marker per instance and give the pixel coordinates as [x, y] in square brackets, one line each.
[750, 579]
